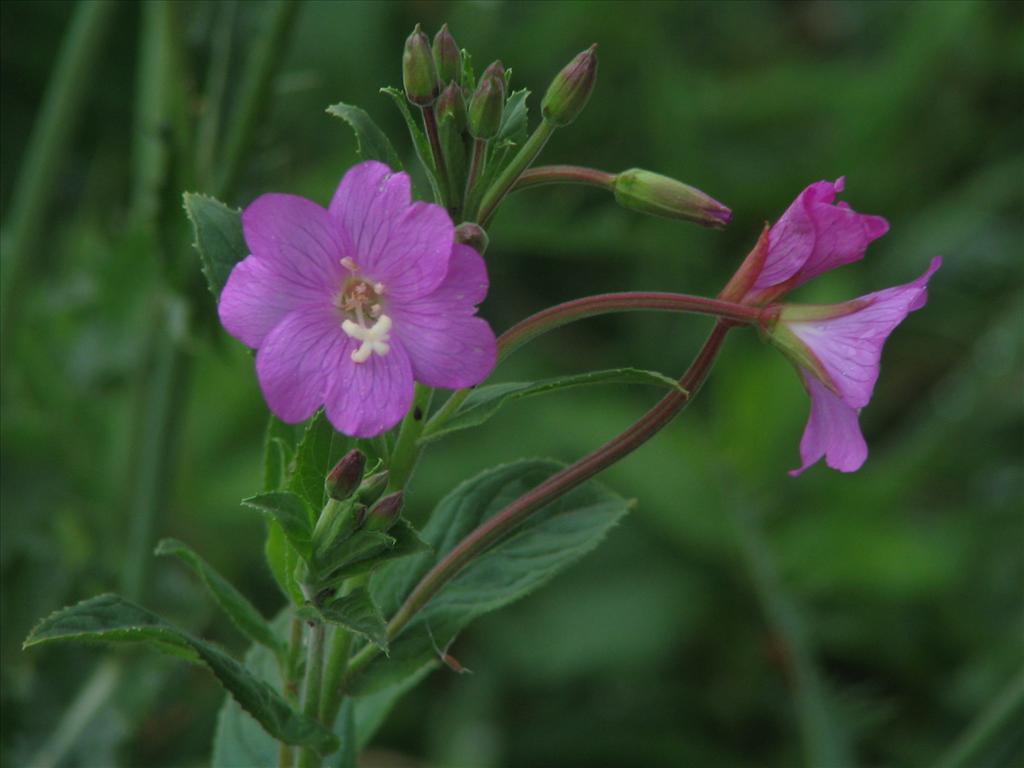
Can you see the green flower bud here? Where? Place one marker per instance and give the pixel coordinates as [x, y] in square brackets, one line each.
[657, 195]
[447, 57]
[338, 520]
[419, 75]
[570, 90]
[343, 480]
[452, 106]
[385, 512]
[486, 107]
[372, 488]
[496, 69]
[473, 235]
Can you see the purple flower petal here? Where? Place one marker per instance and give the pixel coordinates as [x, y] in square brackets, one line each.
[849, 346]
[295, 360]
[365, 399]
[832, 431]
[297, 239]
[256, 298]
[449, 346]
[814, 236]
[404, 245]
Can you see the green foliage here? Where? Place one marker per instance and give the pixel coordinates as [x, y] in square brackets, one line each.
[546, 544]
[218, 238]
[112, 619]
[291, 513]
[371, 142]
[485, 401]
[241, 612]
[355, 612]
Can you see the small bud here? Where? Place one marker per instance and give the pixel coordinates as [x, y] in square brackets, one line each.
[452, 106]
[495, 69]
[486, 107]
[385, 512]
[570, 90]
[473, 235]
[343, 480]
[447, 57]
[419, 75]
[657, 195]
[372, 488]
[338, 520]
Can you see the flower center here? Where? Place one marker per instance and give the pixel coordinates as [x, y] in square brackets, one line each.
[365, 321]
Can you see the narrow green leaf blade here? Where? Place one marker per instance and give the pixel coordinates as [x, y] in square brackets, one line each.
[486, 401]
[291, 512]
[371, 141]
[357, 612]
[112, 619]
[319, 450]
[241, 612]
[218, 238]
[547, 543]
[419, 139]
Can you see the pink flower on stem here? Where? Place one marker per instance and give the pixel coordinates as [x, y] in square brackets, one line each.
[348, 306]
[837, 348]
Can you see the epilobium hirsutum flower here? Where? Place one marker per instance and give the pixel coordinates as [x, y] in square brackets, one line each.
[347, 306]
[836, 348]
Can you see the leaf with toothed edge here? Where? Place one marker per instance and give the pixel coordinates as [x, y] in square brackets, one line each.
[218, 237]
[112, 619]
[371, 141]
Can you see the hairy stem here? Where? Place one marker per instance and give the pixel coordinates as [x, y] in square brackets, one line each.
[509, 518]
[337, 661]
[503, 184]
[406, 451]
[564, 174]
[309, 758]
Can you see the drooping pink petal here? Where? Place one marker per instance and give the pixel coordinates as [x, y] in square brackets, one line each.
[832, 431]
[366, 399]
[295, 238]
[403, 244]
[849, 346]
[257, 297]
[295, 360]
[449, 347]
[815, 235]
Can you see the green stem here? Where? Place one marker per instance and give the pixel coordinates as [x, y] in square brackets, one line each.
[477, 164]
[591, 306]
[260, 70]
[337, 661]
[430, 126]
[68, 87]
[503, 184]
[406, 451]
[309, 758]
[495, 528]
[1004, 712]
[564, 174]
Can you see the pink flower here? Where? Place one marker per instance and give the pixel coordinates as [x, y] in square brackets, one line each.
[348, 306]
[813, 236]
[837, 350]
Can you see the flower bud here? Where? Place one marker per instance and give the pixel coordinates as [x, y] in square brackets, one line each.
[419, 75]
[473, 235]
[496, 69]
[452, 106]
[486, 107]
[658, 195]
[343, 480]
[372, 488]
[447, 57]
[385, 512]
[570, 90]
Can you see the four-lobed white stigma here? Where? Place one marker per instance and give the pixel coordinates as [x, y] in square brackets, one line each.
[374, 339]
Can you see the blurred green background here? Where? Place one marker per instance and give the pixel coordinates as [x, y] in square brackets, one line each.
[739, 616]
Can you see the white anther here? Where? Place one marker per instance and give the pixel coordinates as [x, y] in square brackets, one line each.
[374, 339]
[349, 264]
[378, 288]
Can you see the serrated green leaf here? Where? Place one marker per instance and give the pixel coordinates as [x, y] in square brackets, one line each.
[319, 450]
[112, 619]
[548, 542]
[241, 612]
[357, 554]
[239, 740]
[357, 612]
[283, 559]
[486, 401]
[218, 238]
[371, 141]
[514, 127]
[292, 513]
[419, 139]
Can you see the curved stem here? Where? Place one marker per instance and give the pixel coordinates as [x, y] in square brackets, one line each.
[591, 306]
[496, 527]
[503, 184]
[564, 174]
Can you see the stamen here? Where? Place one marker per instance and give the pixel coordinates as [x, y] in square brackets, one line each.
[349, 264]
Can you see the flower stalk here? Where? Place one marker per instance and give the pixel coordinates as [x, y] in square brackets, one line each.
[503, 184]
[564, 174]
[309, 758]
